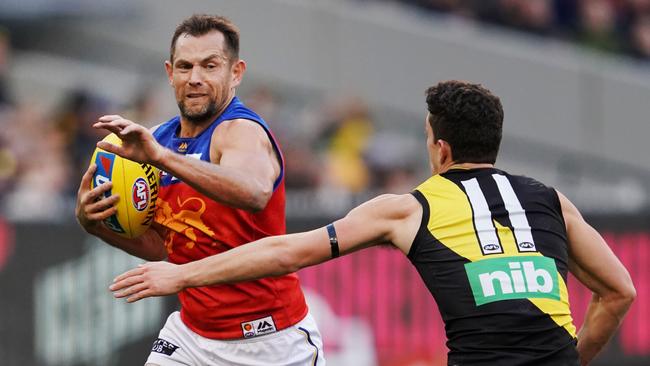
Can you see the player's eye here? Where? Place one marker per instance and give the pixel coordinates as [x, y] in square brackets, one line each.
[184, 65]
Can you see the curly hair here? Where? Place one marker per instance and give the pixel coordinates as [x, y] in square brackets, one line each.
[468, 117]
[202, 24]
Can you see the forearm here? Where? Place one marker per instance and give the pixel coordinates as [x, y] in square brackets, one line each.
[222, 184]
[267, 257]
[601, 321]
[149, 246]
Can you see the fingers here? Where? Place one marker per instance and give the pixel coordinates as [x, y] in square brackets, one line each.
[113, 123]
[131, 284]
[96, 207]
[130, 129]
[102, 215]
[86, 180]
[111, 148]
[102, 205]
[131, 290]
[134, 272]
[141, 295]
[96, 193]
[109, 117]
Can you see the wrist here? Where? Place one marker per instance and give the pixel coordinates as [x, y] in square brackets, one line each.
[185, 275]
[159, 160]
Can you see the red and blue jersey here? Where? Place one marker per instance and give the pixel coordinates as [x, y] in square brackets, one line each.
[198, 227]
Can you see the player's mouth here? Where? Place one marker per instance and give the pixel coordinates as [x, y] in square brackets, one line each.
[196, 95]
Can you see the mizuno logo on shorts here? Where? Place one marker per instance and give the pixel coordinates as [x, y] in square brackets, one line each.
[258, 327]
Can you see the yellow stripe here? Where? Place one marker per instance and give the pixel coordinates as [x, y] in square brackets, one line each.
[559, 311]
[451, 222]
[450, 217]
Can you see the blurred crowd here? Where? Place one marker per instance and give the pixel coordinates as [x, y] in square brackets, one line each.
[335, 145]
[617, 26]
[330, 144]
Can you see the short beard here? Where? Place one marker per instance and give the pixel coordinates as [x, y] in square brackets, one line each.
[205, 113]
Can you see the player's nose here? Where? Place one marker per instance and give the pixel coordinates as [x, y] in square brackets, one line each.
[196, 76]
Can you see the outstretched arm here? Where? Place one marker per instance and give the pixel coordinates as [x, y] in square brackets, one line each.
[593, 263]
[391, 219]
[243, 164]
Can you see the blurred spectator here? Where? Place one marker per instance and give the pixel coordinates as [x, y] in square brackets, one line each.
[639, 6]
[5, 44]
[457, 7]
[597, 28]
[536, 16]
[74, 120]
[606, 25]
[641, 37]
[394, 159]
[145, 108]
[42, 170]
[346, 138]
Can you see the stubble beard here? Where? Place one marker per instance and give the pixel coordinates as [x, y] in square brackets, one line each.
[206, 112]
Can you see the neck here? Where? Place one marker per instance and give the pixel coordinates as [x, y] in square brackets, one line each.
[194, 128]
[452, 165]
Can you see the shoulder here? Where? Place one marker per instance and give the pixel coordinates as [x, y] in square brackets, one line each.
[527, 181]
[569, 211]
[393, 206]
[240, 130]
[164, 128]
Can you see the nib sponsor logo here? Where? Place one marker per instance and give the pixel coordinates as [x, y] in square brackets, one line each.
[509, 278]
[258, 327]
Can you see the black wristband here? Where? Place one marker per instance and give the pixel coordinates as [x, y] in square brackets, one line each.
[334, 241]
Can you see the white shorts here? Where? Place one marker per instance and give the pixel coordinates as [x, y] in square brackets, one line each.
[298, 345]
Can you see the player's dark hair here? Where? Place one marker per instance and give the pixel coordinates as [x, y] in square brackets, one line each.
[468, 117]
[201, 24]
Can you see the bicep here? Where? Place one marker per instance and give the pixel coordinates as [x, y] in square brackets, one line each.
[392, 219]
[385, 219]
[245, 146]
[359, 229]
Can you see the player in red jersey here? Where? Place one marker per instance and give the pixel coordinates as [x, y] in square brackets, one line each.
[222, 186]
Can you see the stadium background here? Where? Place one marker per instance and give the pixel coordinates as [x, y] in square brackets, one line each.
[341, 83]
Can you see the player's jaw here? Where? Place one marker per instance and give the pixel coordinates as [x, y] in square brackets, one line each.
[198, 106]
[198, 112]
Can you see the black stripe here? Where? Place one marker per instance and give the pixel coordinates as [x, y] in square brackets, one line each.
[423, 231]
[310, 342]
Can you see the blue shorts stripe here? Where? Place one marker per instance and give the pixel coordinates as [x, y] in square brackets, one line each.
[312, 343]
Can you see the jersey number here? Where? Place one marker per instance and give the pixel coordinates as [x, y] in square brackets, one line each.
[482, 216]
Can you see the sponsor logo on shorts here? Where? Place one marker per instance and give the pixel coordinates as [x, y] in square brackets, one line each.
[140, 193]
[258, 327]
[164, 347]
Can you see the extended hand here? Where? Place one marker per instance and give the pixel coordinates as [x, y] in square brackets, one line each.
[138, 144]
[147, 280]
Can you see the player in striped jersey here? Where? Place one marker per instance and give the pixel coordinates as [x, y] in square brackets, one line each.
[493, 248]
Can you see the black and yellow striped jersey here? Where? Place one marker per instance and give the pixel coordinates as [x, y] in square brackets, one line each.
[492, 249]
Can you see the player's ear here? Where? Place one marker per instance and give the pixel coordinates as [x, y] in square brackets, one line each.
[238, 70]
[445, 151]
[169, 69]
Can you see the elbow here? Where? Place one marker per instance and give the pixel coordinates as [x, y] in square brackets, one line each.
[258, 199]
[286, 260]
[622, 298]
[628, 294]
